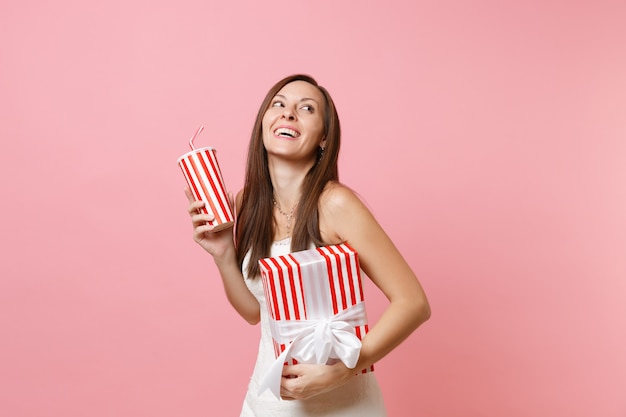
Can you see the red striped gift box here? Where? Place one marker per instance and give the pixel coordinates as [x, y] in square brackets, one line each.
[312, 288]
[204, 177]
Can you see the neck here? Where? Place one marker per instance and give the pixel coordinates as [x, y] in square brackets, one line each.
[287, 178]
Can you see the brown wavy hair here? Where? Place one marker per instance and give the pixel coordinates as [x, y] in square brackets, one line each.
[255, 222]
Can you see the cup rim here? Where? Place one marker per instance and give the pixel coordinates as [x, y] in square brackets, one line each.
[210, 148]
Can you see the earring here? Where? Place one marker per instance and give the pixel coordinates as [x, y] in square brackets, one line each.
[320, 153]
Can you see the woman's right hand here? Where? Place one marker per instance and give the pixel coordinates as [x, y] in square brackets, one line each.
[216, 243]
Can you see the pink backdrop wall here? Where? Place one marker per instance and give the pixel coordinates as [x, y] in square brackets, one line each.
[488, 137]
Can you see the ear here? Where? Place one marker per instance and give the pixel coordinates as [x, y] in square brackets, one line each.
[323, 143]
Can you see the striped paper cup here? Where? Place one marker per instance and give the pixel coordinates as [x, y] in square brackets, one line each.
[203, 175]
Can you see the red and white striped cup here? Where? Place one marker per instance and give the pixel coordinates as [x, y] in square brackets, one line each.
[204, 177]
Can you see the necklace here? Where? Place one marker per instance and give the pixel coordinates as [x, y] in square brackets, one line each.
[287, 216]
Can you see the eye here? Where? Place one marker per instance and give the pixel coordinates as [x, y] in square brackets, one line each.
[277, 103]
[308, 107]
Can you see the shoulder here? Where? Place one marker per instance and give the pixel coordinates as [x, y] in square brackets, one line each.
[338, 197]
[341, 211]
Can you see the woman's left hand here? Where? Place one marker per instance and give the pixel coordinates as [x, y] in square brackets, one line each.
[303, 381]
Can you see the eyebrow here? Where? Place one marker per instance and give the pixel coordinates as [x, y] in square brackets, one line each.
[301, 100]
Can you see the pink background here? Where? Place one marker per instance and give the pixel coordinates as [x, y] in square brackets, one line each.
[488, 137]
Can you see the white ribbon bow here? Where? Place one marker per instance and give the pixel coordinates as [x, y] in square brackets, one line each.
[317, 341]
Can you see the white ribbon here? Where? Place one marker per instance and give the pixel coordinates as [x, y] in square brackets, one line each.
[317, 341]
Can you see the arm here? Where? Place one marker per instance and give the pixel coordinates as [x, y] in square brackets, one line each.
[222, 247]
[381, 261]
[343, 217]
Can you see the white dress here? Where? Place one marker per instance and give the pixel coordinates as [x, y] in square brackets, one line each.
[361, 397]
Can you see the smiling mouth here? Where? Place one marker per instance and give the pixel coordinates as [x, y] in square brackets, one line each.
[286, 133]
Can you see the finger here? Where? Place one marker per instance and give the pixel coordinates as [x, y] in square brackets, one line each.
[201, 232]
[285, 394]
[195, 206]
[291, 371]
[291, 389]
[189, 194]
[231, 200]
[201, 219]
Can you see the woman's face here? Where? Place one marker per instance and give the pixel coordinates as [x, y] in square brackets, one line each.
[293, 125]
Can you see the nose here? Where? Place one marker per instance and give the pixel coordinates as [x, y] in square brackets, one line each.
[288, 114]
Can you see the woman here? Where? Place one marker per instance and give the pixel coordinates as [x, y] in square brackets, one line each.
[291, 201]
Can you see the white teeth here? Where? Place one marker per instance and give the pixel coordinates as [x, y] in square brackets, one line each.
[283, 131]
